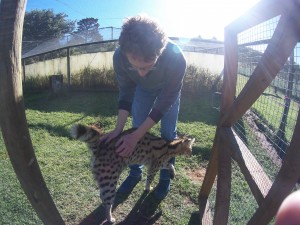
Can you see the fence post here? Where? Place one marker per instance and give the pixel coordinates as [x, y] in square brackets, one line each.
[23, 69]
[68, 67]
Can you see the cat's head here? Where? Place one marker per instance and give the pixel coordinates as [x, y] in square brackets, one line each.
[187, 145]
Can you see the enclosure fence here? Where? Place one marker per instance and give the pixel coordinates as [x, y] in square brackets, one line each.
[80, 38]
[92, 63]
[255, 152]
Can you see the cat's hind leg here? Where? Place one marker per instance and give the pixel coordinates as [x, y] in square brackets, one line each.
[108, 213]
[150, 176]
[107, 188]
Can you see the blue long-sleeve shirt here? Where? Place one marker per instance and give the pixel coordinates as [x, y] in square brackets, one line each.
[166, 80]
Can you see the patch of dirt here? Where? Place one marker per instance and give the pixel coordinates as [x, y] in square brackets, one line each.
[196, 174]
[263, 140]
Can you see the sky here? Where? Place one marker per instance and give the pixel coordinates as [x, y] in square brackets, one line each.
[179, 18]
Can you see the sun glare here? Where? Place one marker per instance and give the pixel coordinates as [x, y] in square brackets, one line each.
[205, 18]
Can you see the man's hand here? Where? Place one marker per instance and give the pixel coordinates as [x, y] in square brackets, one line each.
[121, 120]
[126, 144]
[109, 136]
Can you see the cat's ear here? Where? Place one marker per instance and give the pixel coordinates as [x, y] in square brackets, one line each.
[191, 141]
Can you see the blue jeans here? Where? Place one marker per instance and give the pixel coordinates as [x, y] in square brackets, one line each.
[141, 107]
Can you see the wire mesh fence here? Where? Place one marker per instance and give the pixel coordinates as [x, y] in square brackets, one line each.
[270, 122]
[266, 129]
[51, 44]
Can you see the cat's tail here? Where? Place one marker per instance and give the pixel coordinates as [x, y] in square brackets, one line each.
[85, 133]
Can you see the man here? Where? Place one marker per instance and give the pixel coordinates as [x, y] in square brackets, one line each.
[150, 71]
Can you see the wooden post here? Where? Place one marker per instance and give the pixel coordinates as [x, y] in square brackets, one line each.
[224, 156]
[68, 67]
[230, 72]
[224, 183]
[228, 95]
[210, 176]
[12, 113]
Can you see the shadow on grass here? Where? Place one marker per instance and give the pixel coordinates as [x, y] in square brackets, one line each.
[105, 104]
[88, 103]
[273, 95]
[62, 131]
[143, 212]
[198, 109]
[203, 152]
[194, 220]
[97, 217]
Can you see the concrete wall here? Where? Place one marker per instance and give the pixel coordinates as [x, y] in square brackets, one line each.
[46, 68]
[211, 62]
[214, 63]
[94, 60]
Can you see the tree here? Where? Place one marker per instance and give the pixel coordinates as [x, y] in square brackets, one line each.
[41, 25]
[45, 24]
[88, 30]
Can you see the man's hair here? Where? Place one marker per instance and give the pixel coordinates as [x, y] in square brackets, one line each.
[142, 37]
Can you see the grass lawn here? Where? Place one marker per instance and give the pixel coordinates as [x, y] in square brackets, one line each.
[65, 164]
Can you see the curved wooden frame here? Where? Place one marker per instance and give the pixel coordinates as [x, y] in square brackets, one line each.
[226, 144]
[12, 113]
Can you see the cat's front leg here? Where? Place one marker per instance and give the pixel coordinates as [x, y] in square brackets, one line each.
[148, 186]
[172, 170]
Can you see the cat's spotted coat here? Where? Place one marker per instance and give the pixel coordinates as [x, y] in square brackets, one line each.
[151, 151]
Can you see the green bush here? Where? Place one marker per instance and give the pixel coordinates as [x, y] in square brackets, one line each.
[37, 83]
[94, 78]
[197, 80]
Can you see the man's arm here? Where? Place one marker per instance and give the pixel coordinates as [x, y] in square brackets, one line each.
[121, 120]
[126, 144]
[144, 128]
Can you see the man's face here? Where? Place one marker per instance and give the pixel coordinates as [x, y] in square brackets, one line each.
[140, 65]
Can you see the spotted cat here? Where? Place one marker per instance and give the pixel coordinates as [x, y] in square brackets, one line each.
[107, 165]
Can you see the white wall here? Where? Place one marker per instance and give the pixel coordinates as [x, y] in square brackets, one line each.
[214, 63]
[46, 68]
[211, 62]
[93, 60]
